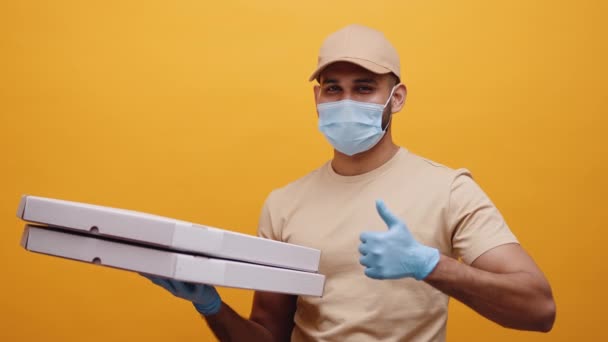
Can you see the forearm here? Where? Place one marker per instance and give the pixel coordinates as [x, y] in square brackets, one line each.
[227, 325]
[516, 300]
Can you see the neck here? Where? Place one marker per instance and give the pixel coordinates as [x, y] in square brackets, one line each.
[366, 161]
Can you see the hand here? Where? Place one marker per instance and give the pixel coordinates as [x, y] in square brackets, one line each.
[205, 298]
[395, 253]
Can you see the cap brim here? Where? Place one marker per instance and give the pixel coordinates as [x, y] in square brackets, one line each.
[371, 66]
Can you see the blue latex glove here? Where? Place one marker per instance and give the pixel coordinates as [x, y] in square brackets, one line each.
[395, 253]
[205, 298]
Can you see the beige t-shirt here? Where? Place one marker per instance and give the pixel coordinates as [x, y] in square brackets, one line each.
[443, 208]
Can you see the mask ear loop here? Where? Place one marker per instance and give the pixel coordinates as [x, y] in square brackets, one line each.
[390, 96]
[390, 116]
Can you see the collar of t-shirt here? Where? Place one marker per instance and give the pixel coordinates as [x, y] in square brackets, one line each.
[364, 177]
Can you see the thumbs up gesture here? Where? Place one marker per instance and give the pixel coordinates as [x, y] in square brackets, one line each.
[395, 254]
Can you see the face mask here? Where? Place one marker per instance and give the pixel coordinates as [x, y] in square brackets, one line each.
[350, 126]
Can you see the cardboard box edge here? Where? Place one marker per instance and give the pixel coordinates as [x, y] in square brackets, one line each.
[21, 207]
[25, 235]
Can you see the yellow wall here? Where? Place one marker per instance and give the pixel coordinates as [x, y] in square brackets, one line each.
[196, 110]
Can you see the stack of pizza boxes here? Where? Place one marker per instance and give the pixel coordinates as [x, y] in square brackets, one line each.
[166, 247]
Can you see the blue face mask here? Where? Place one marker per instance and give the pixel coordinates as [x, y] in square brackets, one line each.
[350, 126]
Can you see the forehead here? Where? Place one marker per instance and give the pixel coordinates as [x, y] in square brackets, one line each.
[346, 72]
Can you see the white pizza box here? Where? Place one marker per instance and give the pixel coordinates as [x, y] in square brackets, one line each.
[168, 264]
[161, 231]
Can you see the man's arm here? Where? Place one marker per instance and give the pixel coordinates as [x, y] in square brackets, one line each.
[271, 316]
[503, 284]
[275, 312]
[271, 320]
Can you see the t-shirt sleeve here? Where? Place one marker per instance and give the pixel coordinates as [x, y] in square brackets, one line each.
[266, 228]
[475, 223]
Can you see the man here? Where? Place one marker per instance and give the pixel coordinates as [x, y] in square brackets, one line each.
[392, 266]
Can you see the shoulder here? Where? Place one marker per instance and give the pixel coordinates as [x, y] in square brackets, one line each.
[296, 188]
[430, 171]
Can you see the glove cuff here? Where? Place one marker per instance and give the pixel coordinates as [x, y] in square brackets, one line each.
[212, 303]
[430, 262]
[208, 308]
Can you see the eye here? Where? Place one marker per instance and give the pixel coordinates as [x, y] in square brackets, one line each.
[364, 89]
[332, 89]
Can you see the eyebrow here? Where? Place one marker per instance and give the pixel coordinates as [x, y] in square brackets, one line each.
[357, 81]
[366, 80]
[330, 81]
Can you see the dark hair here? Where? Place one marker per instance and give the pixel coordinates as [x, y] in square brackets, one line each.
[395, 79]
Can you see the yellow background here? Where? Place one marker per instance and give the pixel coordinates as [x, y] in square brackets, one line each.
[196, 110]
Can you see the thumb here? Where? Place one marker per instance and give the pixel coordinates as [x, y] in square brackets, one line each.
[388, 217]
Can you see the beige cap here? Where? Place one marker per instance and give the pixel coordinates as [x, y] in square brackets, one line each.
[360, 45]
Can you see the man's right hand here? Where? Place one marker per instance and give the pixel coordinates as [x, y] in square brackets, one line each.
[205, 298]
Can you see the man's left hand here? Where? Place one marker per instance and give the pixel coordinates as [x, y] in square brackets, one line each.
[395, 253]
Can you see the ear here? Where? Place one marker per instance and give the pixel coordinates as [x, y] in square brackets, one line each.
[316, 89]
[398, 99]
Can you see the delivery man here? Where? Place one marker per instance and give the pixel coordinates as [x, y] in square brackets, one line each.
[391, 226]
